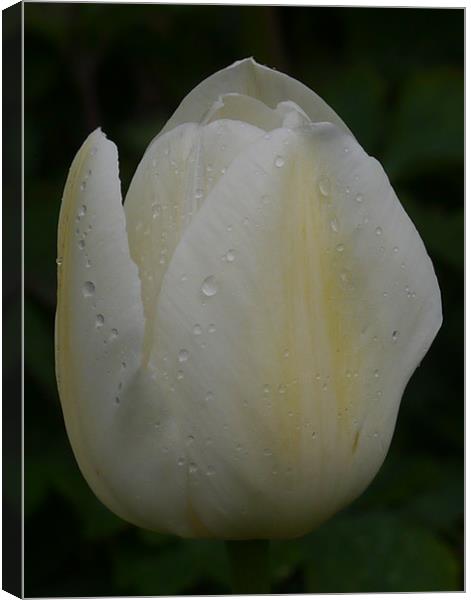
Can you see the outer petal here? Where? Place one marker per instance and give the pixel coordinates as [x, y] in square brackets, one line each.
[121, 433]
[308, 302]
[251, 79]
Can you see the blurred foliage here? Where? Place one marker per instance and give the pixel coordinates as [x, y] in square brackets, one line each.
[396, 77]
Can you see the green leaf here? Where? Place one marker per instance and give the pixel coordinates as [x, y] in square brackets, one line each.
[378, 553]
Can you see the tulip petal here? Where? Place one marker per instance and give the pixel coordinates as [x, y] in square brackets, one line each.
[114, 419]
[170, 185]
[257, 81]
[307, 303]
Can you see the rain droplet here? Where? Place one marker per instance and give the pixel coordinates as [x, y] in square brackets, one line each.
[230, 255]
[155, 210]
[359, 198]
[199, 194]
[395, 249]
[180, 462]
[183, 355]
[99, 321]
[281, 388]
[340, 247]
[83, 185]
[211, 328]
[286, 353]
[59, 261]
[193, 468]
[210, 471]
[324, 187]
[378, 231]
[279, 162]
[314, 435]
[179, 375]
[209, 396]
[190, 439]
[376, 373]
[197, 330]
[266, 388]
[395, 335]
[81, 244]
[334, 225]
[88, 289]
[82, 211]
[209, 286]
[114, 334]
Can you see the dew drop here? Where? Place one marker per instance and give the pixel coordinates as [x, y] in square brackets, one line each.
[180, 375]
[99, 321]
[230, 256]
[82, 211]
[59, 261]
[180, 462]
[197, 330]
[359, 198]
[340, 247]
[183, 355]
[324, 187]
[378, 231]
[334, 225]
[266, 389]
[88, 289]
[395, 249]
[199, 194]
[314, 435]
[211, 328]
[282, 388]
[209, 286]
[229, 228]
[114, 334]
[376, 373]
[81, 244]
[210, 471]
[209, 396]
[279, 162]
[193, 468]
[156, 210]
[190, 439]
[395, 335]
[83, 185]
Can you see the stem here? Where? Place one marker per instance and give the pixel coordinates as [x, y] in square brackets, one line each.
[249, 566]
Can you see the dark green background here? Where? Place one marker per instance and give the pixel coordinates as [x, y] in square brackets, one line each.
[396, 78]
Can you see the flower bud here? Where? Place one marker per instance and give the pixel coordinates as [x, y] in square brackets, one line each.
[232, 345]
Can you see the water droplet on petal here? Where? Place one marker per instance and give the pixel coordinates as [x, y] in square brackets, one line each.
[193, 468]
[340, 247]
[359, 198]
[88, 289]
[376, 373]
[395, 335]
[59, 261]
[395, 249]
[279, 162]
[209, 286]
[324, 187]
[114, 334]
[99, 321]
[199, 194]
[190, 439]
[210, 471]
[211, 328]
[209, 396]
[378, 231]
[230, 256]
[197, 330]
[82, 211]
[180, 375]
[334, 225]
[81, 244]
[183, 355]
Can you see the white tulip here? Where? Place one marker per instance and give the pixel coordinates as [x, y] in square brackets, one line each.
[232, 345]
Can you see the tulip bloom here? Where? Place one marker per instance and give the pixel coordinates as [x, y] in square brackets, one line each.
[233, 343]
